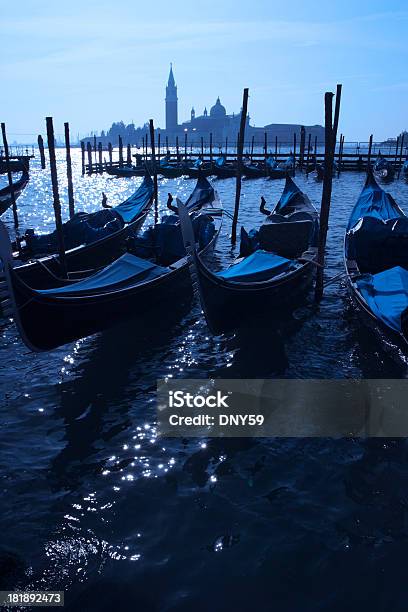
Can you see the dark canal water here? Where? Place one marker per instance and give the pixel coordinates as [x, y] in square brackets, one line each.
[94, 503]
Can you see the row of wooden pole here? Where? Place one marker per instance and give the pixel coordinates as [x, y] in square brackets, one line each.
[331, 127]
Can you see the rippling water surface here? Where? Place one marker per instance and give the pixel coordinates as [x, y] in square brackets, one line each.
[94, 503]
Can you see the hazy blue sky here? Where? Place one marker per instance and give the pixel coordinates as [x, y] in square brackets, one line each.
[96, 61]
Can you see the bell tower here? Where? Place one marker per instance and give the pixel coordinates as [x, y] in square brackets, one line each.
[171, 102]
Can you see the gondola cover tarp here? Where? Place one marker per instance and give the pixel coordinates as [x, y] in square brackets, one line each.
[386, 293]
[259, 266]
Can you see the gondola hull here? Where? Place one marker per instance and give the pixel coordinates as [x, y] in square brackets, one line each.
[49, 322]
[227, 305]
[5, 193]
[197, 172]
[276, 173]
[171, 172]
[126, 171]
[253, 172]
[223, 172]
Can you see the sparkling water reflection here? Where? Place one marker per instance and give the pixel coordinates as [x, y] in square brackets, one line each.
[95, 503]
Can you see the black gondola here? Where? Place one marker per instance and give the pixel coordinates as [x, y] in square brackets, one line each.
[273, 170]
[383, 169]
[199, 168]
[95, 250]
[320, 170]
[125, 171]
[171, 170]
[131, 286]
[254, 170]
[274, 269]
[376, 262]
[222, 170]
[22, 164]
[18, 187]
[405, 169]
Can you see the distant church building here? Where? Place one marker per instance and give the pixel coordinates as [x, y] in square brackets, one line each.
[171, 103]
[216, 122]
[223, 126]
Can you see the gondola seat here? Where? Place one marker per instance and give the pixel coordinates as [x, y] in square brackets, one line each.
[260, 266]
[125, 271]
[287, 237]
[164, 242]
[83, 228]
[386, 293]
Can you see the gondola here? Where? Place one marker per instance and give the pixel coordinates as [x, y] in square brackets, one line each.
[125, 171]
[199, 168]
[273, 170]
[99, 244]
[18, 187]
[319, 170]
[153, 274]
[253, 170]
[223, 170]
[405, 169]
[289, 164]
[16, 165]
[383, 169]
[169, 170]
[274, 270]
[376, 263]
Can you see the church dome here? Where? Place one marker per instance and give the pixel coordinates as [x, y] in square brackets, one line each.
[218, 110]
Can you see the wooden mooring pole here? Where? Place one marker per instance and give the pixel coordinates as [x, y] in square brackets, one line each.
[400, 155]
[100, 157]
[265, 145]
[89, 154]
[83, 157]
[308, 153]
[239, 164]
[120, 152]
[110, 153]
[177, 149]
[128, 155]
[9, 176]
[370, 146]
[152, 145]
[330, 144]
[302, 145]
[396, 152]
[41, 148]
[211, 151]
[340, 158]
[71, 204]
[56, 199]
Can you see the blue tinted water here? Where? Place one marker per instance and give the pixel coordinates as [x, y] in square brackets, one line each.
[94, 503]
